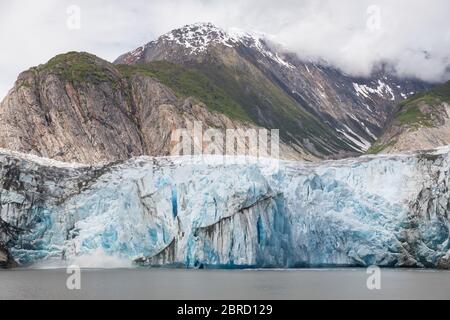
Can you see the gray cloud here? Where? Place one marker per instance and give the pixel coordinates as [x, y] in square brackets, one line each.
[412, 35]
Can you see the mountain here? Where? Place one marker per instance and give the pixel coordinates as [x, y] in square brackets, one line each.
[80, 108]
[389, 211]
[318, 108]
[419, 123]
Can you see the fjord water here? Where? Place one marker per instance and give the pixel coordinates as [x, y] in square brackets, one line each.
[224, 284]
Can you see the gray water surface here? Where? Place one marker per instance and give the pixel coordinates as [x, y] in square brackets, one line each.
[224, 284]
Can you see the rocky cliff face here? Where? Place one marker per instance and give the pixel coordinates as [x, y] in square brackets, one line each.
[386, 210]
[419, 123]
[68, 109]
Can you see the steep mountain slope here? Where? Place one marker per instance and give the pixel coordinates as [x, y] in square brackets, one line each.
[419, 123]
[80, 108]
[318, 108]
[389, 211]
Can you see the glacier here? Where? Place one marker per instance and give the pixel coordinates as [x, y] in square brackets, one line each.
[192, 212]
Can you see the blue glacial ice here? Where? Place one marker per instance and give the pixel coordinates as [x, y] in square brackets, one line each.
[386, 210]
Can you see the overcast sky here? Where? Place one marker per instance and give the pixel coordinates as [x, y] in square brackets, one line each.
[354, 35]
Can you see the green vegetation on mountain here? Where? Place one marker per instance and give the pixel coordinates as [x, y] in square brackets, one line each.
[380, 147]
[433, 96]
[83, 68]
[418, 110]
[412, 116]
[80, 67]
[188, 82]
[423, 110]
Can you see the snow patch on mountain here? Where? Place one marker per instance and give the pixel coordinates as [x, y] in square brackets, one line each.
[382, 89]
[199, 36]
[259, 42]
[358, 143]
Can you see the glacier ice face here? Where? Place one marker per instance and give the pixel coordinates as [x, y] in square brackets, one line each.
[385, 210]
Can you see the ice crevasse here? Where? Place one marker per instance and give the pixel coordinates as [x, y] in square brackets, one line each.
[389, 211]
